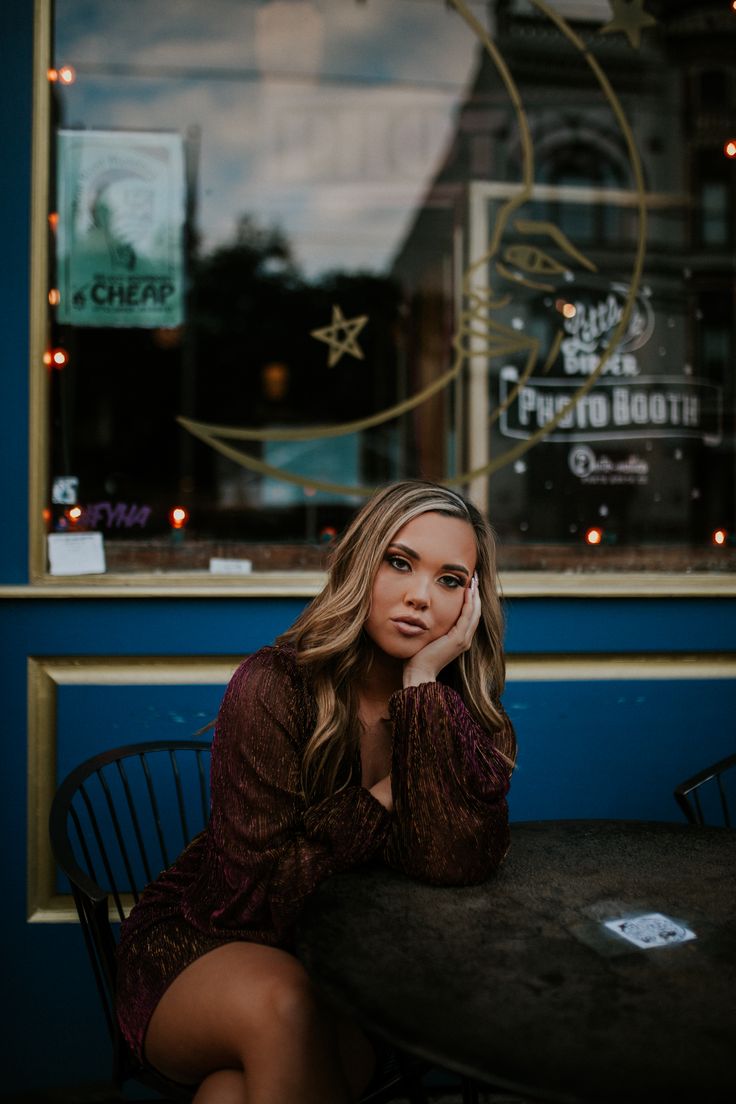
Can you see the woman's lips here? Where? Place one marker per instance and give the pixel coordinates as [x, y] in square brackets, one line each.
[408, 628]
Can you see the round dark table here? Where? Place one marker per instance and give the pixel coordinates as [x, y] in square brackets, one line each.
[519, 984]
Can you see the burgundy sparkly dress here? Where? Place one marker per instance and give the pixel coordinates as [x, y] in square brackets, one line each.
[247, 875]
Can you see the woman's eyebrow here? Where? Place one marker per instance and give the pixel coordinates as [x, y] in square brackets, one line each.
[405, 548]
[415, 556]
[455, 567]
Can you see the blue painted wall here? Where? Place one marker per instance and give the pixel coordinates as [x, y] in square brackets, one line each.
[614, 748]
[587, 748]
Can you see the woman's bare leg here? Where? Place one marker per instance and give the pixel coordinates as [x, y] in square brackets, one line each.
[245, 1021]
[223, 1087]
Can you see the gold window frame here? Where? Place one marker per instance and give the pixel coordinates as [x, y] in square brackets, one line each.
[296, 583]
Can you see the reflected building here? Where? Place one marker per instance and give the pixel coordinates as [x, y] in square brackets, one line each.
[529, 201]
[646, 451]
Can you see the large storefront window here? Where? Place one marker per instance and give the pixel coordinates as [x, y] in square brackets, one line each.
[302, 247]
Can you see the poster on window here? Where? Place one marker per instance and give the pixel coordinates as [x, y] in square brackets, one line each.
[121, 208]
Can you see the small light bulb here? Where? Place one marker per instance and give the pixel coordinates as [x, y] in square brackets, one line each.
[59, 358]
[56, 358]
[178, 517]
[75, 513]
[730, 148]
[720, 536]
[67, 74]
[54, 297]
[594, 535]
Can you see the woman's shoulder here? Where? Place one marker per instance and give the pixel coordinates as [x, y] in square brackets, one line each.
[269, 669]
[270, 661]
[271, 679]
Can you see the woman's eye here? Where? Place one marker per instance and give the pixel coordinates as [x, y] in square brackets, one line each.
[451, 581]
[399, 563]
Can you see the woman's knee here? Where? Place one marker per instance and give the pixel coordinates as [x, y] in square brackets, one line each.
[291, 1002]
[222, 1087]
[233, 1007]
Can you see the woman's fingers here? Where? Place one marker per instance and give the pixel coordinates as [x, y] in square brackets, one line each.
[467, 622]
[427, 663]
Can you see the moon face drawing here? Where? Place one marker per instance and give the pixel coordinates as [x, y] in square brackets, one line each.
[525, 259]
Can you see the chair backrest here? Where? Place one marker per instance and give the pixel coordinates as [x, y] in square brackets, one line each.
[709, 797]
[117, 820]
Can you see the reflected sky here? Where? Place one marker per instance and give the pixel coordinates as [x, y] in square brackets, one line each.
[328, 118]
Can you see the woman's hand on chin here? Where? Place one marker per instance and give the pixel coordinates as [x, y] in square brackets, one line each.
[427, 663]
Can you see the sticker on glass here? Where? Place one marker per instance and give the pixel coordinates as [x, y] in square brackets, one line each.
[64, 490]
[652, 930]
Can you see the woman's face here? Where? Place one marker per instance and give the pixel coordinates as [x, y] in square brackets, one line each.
[420, 584]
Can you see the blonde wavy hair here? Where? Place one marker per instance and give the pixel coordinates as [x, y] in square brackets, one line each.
[330, 643]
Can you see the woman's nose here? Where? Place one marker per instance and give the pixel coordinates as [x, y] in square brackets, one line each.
[417, 593]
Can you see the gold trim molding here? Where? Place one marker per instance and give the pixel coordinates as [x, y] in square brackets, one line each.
[47, 673]
[632, 668]
[515, 584]
[38, 405]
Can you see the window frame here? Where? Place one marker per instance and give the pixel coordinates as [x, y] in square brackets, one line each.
[530, 583]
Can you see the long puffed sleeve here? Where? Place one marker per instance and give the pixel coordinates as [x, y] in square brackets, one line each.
[265, 849]
[449, 785]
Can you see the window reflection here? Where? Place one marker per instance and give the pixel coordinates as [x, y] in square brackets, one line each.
[365, 299]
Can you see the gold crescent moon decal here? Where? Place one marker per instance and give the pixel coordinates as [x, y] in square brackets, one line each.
[474, 330]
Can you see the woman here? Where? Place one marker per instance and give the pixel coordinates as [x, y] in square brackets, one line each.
[334, 747]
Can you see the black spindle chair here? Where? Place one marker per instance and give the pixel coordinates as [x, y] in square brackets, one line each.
[707, 797]
[116, 821]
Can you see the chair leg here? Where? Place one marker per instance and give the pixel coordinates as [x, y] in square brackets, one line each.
[415, 1093]
[470, 1090]
[413, 1069]
[413, 1087]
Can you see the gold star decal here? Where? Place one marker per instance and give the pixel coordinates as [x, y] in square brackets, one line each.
[629, 16]
[341, 336]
